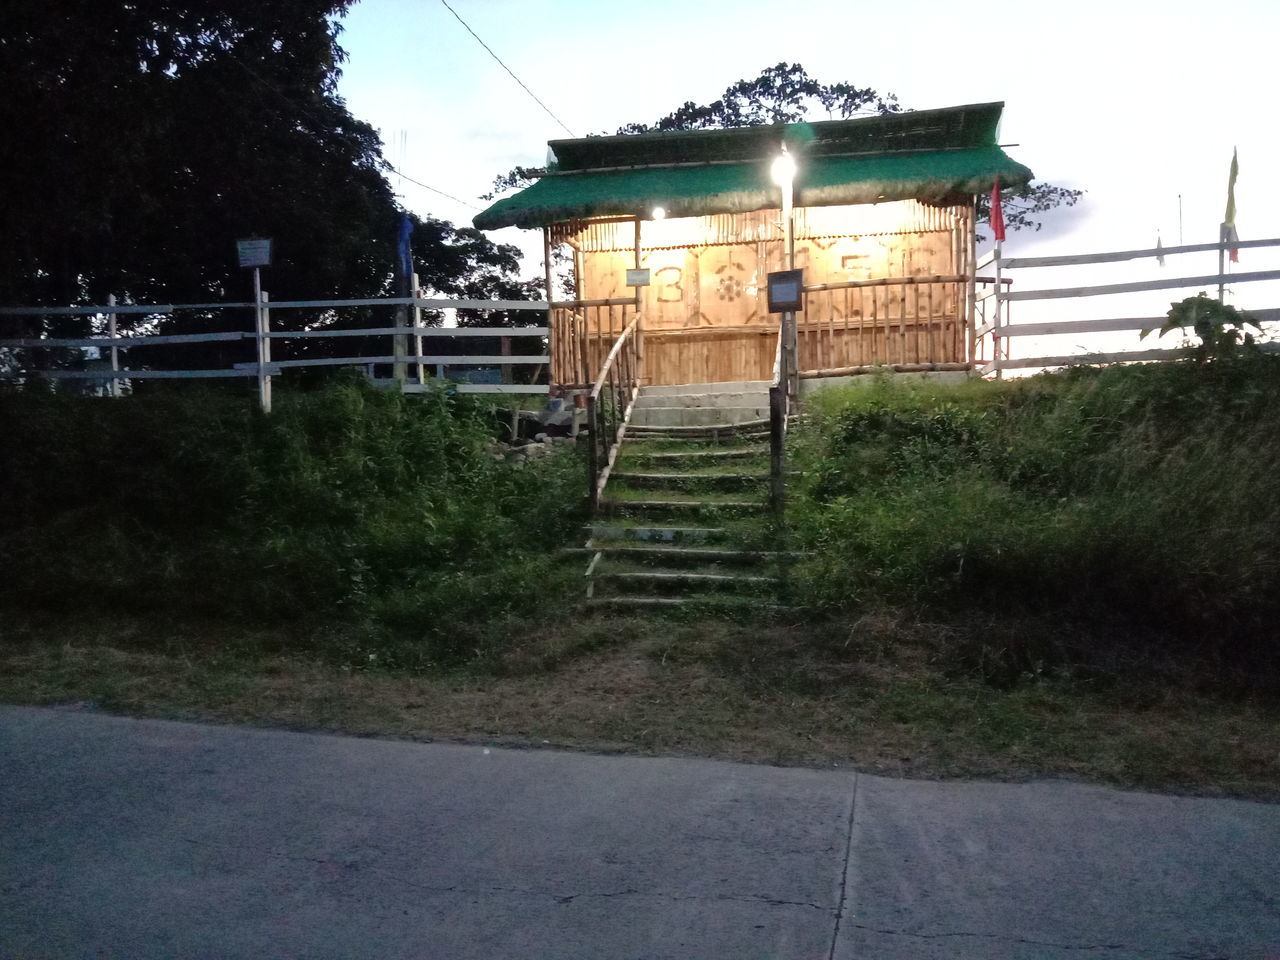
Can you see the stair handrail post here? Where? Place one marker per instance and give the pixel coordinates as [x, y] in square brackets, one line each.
[593, 455]
[604, 439]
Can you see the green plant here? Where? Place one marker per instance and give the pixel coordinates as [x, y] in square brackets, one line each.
[359, 516]
[1138, 500]
[1220, 327]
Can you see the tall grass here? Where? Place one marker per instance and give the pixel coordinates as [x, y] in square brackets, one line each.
[375, 523]
[1141, 497]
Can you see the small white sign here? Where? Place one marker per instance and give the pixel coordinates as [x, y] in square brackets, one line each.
[254, 253]
[638, 278]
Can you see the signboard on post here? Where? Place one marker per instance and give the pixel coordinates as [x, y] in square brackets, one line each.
[254, 252]
[638, 278]
[786, 291]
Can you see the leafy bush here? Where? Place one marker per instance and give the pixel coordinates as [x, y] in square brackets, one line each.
[362, 517]
[1145, 497]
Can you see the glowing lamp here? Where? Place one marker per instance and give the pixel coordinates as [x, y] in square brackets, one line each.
[783, 170]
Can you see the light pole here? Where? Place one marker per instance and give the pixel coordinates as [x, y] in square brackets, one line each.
[783, 172]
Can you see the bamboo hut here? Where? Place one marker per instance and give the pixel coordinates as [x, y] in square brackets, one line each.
[883, 225]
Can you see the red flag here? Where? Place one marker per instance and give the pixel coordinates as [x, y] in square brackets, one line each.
[997, 213]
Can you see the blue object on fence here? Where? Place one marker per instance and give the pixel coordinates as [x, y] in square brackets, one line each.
[406, 258]
[476, 376]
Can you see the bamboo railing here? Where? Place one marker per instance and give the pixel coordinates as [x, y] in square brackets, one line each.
[897, 322]
[609, 406]
[582, 332]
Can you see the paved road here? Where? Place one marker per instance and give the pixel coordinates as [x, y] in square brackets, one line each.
[143, 838]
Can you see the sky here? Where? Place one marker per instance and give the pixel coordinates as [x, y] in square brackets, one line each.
[1133, 102]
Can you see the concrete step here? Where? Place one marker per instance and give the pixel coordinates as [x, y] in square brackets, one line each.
[703, 416]
[748, 428]
[656, 533]
[675, 554]
[689, 481]
[735, 398]
[692, 458]
[687, 439]
[723, 603]
[681, 389]
[625, 508]
[679, 581]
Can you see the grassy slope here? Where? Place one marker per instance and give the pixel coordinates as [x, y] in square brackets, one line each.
[380, 522]
[1139, 507]
[1069, 575]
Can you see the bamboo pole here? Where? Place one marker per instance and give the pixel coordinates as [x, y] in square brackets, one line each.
[557, 375]
[584, 344]
[933, 352]
[881, 282]
[902, 326]
[850, 350]
[889, 367]
[999, 301]
[113, 388]
[831, 328]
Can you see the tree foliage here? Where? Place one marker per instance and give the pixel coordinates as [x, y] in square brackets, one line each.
[781, 94]
[785, 93]
[145, 137]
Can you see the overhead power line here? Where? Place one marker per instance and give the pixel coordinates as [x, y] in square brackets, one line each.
[325, 121]
[508, 69]
[427, 186]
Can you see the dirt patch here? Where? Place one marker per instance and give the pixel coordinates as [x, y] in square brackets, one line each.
[877, 695]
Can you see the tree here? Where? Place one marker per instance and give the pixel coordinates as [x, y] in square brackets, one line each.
[787, 94]
[144, 137]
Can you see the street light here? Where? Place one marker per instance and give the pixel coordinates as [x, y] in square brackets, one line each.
[783, 170]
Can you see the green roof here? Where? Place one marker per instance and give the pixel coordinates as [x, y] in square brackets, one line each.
[925, 155]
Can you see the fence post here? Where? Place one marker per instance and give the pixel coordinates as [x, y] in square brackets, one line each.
[113, 390]
[970, 244]
[263, 325]
[1222, 261]
[416, 293]
[996, 346]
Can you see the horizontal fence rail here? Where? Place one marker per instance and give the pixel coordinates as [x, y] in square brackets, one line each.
[995, 327]
[402, 357]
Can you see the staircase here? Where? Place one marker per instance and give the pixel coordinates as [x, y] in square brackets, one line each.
[684, 517]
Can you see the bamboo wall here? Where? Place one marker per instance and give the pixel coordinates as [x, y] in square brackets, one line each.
[705, 314]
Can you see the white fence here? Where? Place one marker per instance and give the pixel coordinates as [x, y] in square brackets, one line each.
[996, 328]
[408, 326]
